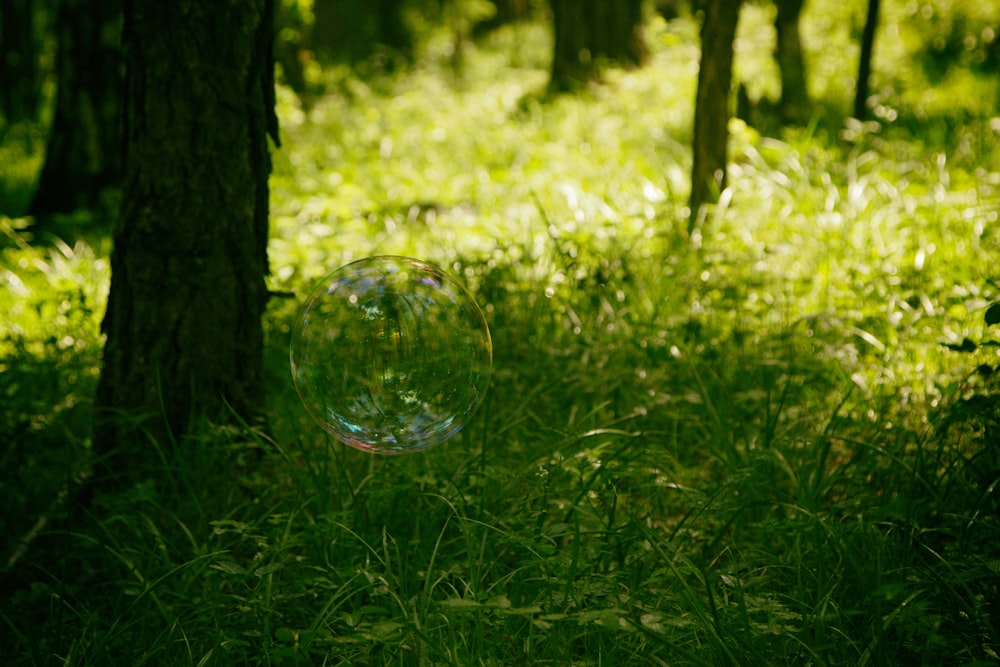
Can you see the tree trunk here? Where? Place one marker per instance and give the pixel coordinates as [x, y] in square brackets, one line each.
[83, 158]
[19, 86]
[511, 11]
[865, 62]
[327, 36]
[711, 116]
[183, 322]
[588, 32]
[794, 93]
[353, 30]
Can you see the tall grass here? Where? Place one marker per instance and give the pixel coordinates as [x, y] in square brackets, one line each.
[748, 447]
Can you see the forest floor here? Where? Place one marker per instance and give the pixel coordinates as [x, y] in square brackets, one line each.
[773, 441]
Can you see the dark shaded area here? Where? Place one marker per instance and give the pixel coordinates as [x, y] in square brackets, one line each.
[83, 159]
[47, 398]
[20, 85]
[960, 43]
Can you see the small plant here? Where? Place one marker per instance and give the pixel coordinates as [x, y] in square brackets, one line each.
[976, 398]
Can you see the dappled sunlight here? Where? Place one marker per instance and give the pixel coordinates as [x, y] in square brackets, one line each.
[764, 439]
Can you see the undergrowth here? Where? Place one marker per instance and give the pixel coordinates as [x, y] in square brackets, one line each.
[771, 443]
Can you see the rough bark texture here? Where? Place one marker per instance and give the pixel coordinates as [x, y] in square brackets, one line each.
[711, 118]
[183, 322]
[588, 32]
[794, 93]
[83, 158]
[865, 62]
[19, 85]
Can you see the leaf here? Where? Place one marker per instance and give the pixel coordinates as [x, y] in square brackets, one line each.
[384, 630]
[652, 621]
[610, 619]
[205, 658]
[992, 314]
[287, 635]
[228, 567]
[731, 581]
[499, 602]
[265, 570]
[373, 610]
[460, 603]
[868, 338]
[530, 610]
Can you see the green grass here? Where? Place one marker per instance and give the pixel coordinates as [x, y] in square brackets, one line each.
[749, 447]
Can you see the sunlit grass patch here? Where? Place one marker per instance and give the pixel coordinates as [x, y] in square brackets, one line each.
[32, 275]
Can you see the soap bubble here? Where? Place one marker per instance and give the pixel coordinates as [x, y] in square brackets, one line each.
[391, 354]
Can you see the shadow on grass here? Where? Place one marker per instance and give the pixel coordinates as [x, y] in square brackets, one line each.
[45, 429]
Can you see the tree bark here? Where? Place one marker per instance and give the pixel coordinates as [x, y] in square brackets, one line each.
[865, 62]
[588, 32]
[791, 64]
[183, 321]
[711, 117]
[83, 156]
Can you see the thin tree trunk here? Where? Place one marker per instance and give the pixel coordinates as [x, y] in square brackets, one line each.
[794, 93]
[183, 322]
[570, 58]
[83, 157]
[589, 31]
[711, 118]
[865, 62]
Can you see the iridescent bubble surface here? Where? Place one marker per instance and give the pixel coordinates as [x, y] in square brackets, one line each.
[391, 354]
